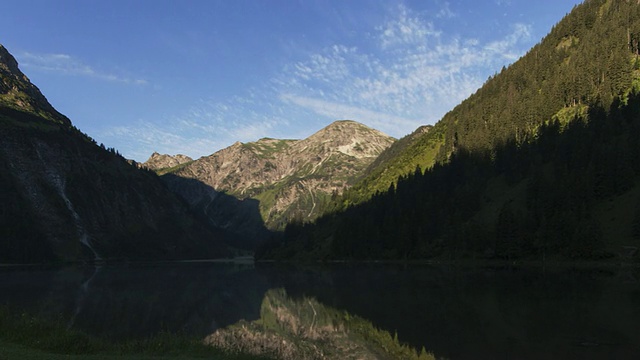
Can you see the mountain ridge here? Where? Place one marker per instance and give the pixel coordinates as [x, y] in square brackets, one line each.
[64, 198]
[17, 91]
[164, 162]
[291, 179]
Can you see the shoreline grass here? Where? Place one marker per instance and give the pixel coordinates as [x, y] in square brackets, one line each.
[25, 336]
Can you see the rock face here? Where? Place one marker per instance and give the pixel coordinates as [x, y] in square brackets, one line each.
[158, 162]
[291, 179]
[65, 198]
[17, 92]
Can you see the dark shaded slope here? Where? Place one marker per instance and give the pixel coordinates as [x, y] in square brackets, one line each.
[552, 198]
[589, 57]
[239, 218]
[65, 198]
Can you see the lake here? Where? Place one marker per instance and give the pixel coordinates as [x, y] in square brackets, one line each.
[454, 312]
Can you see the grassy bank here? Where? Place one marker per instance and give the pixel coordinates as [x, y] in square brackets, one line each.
[24, 336]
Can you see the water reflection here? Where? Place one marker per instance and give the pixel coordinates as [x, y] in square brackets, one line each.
[457, 313]
[127, 301]
[303, 328]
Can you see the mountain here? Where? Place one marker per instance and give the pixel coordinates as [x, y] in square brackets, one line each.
[283, 180]
[18, 93]
[541, 162]
[384, 170]
[591, 56]
[64, 198]
[163, 162]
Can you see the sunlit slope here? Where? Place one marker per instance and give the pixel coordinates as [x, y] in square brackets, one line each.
[589, 57]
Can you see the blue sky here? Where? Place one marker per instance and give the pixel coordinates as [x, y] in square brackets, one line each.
[193, 77]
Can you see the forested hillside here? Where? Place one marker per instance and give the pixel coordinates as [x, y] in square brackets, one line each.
[542, 160]
[64, 198]
[589, 57]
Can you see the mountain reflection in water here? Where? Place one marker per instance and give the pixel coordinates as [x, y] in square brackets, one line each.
[454, 312]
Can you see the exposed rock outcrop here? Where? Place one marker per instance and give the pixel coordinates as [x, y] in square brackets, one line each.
[158, 162]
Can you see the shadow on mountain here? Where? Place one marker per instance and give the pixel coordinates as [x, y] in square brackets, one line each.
[239, 218]
[64, 198]
[571, 192]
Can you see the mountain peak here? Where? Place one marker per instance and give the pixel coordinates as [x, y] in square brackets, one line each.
[8, 63]
[344, 124]
[350, 138]
[159, 161]
[17, 91]
[289, 178]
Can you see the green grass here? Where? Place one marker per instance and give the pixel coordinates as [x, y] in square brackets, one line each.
[173, 169]
[267, 148]
[24, 336]
[421, 152]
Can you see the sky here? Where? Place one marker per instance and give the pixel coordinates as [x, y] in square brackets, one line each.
[194, 76]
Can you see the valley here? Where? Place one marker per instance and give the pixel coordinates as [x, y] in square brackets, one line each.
[509, 227]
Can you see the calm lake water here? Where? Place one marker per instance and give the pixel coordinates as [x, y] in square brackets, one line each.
[454, 312]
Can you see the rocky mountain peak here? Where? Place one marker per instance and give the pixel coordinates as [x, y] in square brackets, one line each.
[348, 137]
[159, 161]
[290, 178]
[8, 64]
[17, 91]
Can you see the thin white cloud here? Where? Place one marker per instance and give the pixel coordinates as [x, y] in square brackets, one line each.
[410, 74]
[414, 75]
[505, 47]
[445, 12]
[205, 127]
[328, 68]
[68, 65]
[143, 138]
[383, 122]
[405, 29]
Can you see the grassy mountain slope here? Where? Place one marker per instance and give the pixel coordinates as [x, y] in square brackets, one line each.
[416, 150]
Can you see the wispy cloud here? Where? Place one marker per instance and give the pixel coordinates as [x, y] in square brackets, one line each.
[406, 29]
[200, 130]
[445, 12]
[337, 111]
[407, 73]
[506, 47]
[142, 138]
[68, 65]
[412, 75]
